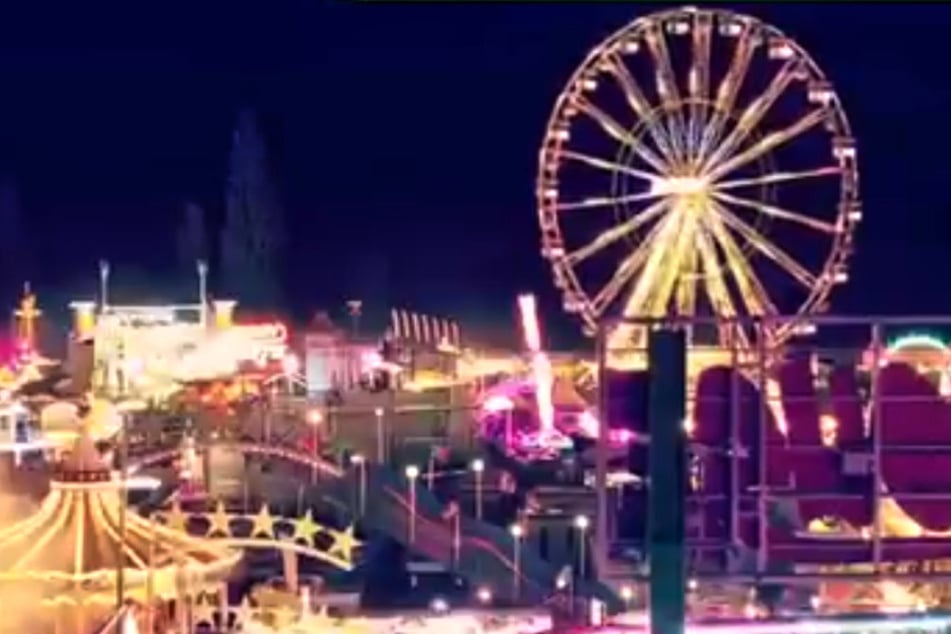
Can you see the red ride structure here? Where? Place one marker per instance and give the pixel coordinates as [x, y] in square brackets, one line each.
[830, 458]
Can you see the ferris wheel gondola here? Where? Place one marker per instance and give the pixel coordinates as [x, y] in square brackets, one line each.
[729, 165]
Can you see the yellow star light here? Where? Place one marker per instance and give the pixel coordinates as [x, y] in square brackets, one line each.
[283, 615]
[263, 523]
[245, 614]
[204, 611]
[305, 527]
[219, 522]
[175, 518]
[345, 543]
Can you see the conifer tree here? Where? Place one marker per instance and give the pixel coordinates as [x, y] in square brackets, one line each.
[253, 233]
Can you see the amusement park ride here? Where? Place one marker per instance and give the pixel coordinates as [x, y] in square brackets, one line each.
[673, 178]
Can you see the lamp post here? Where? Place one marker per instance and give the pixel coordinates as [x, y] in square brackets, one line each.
[315, 419]
[412, 472]
[361, 464]
[380, 440]
[517, 533]
[202, 268]
[627, 595]
[478, 467]
[103, 285]
[582, 523]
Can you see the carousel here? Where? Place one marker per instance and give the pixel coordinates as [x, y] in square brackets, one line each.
[68, 566]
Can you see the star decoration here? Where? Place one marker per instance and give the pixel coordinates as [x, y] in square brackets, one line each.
[345, 543]
[175, 518]
[284, 615]
[244, 614]
[263, 523]
[305, 527]
[219, 522]
[204, 611]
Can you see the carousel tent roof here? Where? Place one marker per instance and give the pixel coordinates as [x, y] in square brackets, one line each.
[71, 545]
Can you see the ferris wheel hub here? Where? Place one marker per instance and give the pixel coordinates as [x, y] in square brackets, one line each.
[680, 186]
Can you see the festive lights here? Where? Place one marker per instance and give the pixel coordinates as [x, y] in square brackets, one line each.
[67, 549]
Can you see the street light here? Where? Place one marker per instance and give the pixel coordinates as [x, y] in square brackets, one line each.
[315, 419]
[517, 533]
[380, 446]
[627, 594]
[412, 472]
[361, 464]
[582, 523]
[484, 595]
[478, 467]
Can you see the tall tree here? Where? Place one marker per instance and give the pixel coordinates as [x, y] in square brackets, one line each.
[192, 240]
[253, 231]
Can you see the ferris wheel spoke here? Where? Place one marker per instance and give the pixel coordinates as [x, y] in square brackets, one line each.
[615, 130]
[636, 302]
[699, 82]
[607, 201]
[767, 248]
[777, 212]
[714, 276]
[752, 291]
[641, 106]
[767, 144]
[667, 87]
[778, 177]
[626, 271]
[729, 88]
[687, 284]
[753, 115]
[677, 256]
[617, 232]
[610, 166]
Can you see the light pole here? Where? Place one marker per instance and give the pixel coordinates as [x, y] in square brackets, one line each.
[380, 441]
[582, 523]
[478, 467]
[517, 532]
[103, 286]
[315, 419]
[412, 472]
[290, 365]
[361, 464]
[627, 595]
[202, 268]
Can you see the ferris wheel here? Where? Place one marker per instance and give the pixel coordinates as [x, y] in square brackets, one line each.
[698, 162]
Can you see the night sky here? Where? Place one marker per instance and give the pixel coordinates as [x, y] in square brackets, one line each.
[404, 138]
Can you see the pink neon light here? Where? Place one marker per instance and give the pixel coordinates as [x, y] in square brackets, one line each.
[541, 365]
[498, 403]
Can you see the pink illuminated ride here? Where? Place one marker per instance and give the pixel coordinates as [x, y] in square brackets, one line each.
[698, 162]
[539, 415]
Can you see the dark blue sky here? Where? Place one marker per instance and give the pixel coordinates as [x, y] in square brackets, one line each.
[405, 137]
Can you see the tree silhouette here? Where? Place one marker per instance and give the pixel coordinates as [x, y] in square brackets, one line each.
[252, 235]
